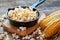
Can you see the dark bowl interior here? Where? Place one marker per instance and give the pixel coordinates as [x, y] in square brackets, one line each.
[23, 24]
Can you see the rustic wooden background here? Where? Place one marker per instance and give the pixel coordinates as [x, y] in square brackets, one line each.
[47, 7]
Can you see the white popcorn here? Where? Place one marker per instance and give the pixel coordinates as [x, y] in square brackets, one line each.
[4, 16]
[32, 39]
[35, 32]
[15, 18]
[41, 38]
[22, 28]
[42, 35]
[20, 13]
[39, 32]
[31, 8]
[14, 35]
[26, 37]
[2, 36]
[6, 33]
[7, 37]
[1, 19]
[29, 18]
[39, 27]
[23, 38]
[37, 37]
[30, 36]
[10, 13]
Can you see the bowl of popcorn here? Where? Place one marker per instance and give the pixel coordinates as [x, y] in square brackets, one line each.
[23, 16]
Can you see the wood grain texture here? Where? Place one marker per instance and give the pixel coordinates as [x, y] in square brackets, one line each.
[10, 28]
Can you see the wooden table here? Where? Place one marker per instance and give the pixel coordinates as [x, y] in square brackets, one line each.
[47, 7]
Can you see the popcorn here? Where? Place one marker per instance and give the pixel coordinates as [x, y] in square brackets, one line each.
[10, 13]
[4, 16]
[32, 39]
[27, 14]
[1, 19]
[30, 36]
[41, 38]
[23, 38]
[42, 35]
[1, 36]
[37, 34]
[16, 36]
[6, 33]
[27, 37]
[37, 37]
[22, 28]
[13, 35]
[7, 37]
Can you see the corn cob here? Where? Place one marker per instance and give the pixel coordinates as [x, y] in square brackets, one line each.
[52, 29]
[48, 19]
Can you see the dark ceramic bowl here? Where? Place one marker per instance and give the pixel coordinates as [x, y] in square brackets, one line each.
[23, 24]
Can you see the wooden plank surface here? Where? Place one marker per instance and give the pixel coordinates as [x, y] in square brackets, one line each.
[47, 7]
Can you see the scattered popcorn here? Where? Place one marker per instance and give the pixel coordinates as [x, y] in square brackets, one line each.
[27, 37]
[1, 36]
[30, 36]
[23, 38]
[37, 34]
[14, 35]
[22, 28]
[7, 37]
[37, 37]
[6, 33]
[32, 39]
[41, 38]
[39, 28]
[4, 16]
[42, 35]
[1, 19]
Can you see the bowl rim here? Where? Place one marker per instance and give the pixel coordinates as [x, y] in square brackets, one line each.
[22, 7]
